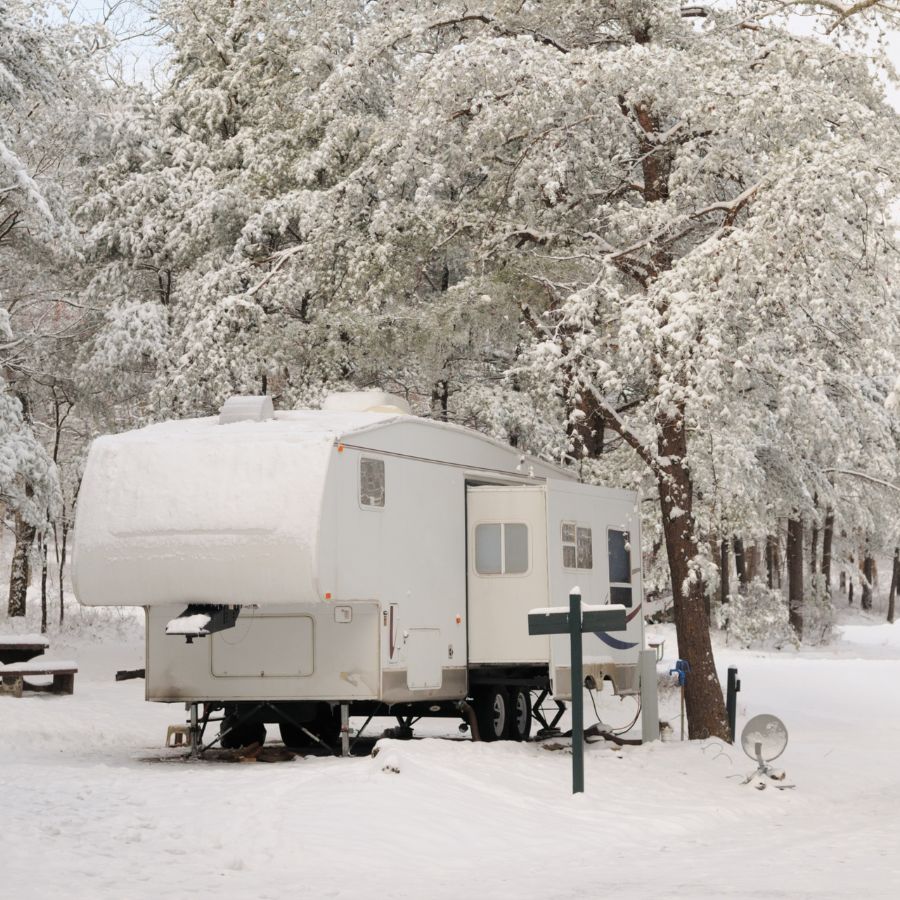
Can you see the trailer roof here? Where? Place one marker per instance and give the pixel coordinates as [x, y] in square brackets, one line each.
[313, 426]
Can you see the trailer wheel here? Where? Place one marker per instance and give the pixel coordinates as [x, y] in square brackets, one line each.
[243, 735]
[325, 725]
[520, 714]
[493, 713]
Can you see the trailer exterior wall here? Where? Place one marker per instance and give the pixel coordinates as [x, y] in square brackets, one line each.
[602, 510]
[328, 660]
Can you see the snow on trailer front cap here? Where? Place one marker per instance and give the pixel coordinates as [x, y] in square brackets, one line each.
[192, 511]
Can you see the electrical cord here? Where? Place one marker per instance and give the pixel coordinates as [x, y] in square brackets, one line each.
[619, 731]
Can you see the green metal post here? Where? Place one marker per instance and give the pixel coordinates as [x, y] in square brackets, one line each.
[577, 694]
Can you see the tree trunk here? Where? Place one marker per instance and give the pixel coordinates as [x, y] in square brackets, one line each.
[827, 537]
[440, 400]
[895, 577]
[62, 566]
[43, 546]
[740, 561]
[771, 542]
[795, 574]
[20, 574]
[752, 562]
[704, 703]
[814, 550]
[724, 573]
[867, 580]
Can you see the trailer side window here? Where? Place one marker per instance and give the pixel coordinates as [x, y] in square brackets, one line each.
[501, 549]
[371, 482]
[619, 548]
[578, 546]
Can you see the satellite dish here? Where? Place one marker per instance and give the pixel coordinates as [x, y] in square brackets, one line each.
[764, 738]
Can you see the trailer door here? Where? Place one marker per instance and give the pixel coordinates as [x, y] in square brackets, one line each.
[506, 548]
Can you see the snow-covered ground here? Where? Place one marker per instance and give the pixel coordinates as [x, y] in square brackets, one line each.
[89, 809]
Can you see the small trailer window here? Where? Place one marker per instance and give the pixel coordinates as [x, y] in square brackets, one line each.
[578, 546]
[501, 549]
[371, 482]
[619, 547]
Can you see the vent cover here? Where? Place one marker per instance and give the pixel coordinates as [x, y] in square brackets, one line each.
[246, 409]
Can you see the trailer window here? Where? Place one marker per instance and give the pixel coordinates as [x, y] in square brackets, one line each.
[619, 549]
[578, 546]
[501, 549]
[371, 482]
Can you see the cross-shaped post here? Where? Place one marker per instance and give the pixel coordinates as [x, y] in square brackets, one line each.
[575, 621]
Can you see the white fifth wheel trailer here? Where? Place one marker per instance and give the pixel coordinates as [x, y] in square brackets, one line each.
[294, 566]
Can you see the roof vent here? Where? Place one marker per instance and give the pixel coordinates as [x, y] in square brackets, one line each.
[246, 409]
[366, 401]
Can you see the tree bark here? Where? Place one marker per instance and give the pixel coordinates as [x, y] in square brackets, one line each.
[795, 574]
[43, 546]
[704, 703]
[827, 538]
[895, 578]
[771, 542]
[20, 571]
[61, 562]
[440, 400]
[814, 550]
[740, 561]
[868, 578]
[752, 562]
[724, 573]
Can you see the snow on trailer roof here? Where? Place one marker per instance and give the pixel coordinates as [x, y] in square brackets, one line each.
[314, 425]
[304, 424]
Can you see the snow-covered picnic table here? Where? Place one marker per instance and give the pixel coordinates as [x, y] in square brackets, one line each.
[12, 676]
[16, 648]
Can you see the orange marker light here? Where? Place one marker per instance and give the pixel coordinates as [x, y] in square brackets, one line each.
[340, 448]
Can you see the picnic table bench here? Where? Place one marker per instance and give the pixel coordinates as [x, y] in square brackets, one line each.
[12, 676]
[21, 647]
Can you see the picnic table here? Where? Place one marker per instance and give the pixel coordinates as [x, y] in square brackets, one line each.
[21, 655]
[12, 676]
[15, 648]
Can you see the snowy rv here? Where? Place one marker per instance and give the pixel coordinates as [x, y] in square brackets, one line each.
[299, 566]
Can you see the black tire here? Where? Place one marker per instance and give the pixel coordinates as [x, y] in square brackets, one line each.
[293, 737]
[326, 726]
[492, 712]
[520, 714]
[243, 735]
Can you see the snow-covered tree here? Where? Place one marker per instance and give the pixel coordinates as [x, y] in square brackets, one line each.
[46, 102]
[646, 240]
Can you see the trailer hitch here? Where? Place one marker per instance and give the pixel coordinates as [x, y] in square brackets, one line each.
[202, 619]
